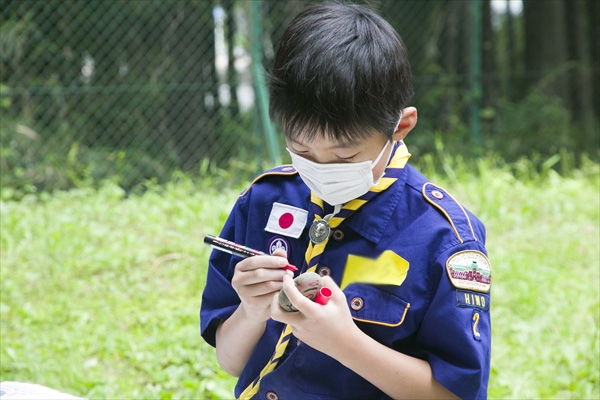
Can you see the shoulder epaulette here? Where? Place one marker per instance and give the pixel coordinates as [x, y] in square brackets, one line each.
[281, 170]
[452, 210]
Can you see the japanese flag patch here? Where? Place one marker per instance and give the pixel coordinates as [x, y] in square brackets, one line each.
[470, 270]
[286, 220]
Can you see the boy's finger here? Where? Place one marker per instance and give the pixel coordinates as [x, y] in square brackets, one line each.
[278, 313]
[296, 298]
[257, 262]
[280, 253]
[283, 254]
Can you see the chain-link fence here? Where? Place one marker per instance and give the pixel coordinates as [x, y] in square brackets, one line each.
[137, 89]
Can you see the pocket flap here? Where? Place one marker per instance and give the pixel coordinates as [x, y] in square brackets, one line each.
[376, 306]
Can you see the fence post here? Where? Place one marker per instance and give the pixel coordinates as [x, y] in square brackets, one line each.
[259, 84]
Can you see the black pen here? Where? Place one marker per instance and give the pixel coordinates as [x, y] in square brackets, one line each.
[237, 249]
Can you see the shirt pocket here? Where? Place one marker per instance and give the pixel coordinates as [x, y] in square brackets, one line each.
[379, 314]
[373, 305]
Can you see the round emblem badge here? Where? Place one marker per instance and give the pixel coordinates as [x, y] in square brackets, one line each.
[277, 242]
[319, 231]
[470, 270]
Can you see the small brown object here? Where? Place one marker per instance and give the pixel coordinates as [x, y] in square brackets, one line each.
[308, 283]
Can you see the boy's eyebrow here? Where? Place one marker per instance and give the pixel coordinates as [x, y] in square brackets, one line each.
[338, 145]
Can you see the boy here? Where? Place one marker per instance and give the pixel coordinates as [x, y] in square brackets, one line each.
[409, 315]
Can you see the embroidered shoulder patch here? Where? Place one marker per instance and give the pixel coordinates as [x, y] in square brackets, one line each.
[470, 270]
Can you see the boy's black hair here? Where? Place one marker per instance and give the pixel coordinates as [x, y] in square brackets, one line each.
[341, 70]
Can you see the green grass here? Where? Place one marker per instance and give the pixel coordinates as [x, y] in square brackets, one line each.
[100, 292]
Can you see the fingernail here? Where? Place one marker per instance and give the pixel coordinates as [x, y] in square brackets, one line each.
[290, 267]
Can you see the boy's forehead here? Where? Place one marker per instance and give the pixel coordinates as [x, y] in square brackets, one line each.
[326, 143]
[324, 140]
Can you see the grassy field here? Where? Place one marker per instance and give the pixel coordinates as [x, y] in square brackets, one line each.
[100, 291]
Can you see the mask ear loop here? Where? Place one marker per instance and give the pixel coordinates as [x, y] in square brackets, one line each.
[336, 209]
[398, 123]
[395, 141]
[393, 144]
[395, 129]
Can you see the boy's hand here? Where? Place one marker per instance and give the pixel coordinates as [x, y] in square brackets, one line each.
[256, 279]
[322, 327]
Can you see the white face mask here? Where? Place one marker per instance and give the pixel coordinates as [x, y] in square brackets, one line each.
[337, 183]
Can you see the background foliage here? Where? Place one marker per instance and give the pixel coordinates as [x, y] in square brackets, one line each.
[136, 90]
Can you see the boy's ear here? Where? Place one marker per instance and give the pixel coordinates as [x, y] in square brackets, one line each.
[408, 121]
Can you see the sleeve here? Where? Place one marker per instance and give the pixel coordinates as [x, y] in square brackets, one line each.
[246, 225]
[219, 299]
[456, 329]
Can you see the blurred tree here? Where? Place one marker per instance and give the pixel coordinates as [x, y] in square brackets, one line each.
[546, 44]
[584, 86]
[559, 42]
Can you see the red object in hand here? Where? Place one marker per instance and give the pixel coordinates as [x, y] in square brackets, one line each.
[290, 267]
[323, 296]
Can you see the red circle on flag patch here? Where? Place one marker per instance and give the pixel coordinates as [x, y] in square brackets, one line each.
[286, 220]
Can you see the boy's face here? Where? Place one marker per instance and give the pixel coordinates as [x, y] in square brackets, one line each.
[323, 150]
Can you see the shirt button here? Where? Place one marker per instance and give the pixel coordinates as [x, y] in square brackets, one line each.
[338, 234]
[357, 303]
[437, 194]
[324, 271]
[272, 396]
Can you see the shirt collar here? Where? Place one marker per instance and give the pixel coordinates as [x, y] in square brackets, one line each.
[371, 220]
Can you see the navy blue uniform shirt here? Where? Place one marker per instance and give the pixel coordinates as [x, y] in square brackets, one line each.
[439, 311]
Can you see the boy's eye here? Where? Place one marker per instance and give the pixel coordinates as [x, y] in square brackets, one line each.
[347, 159]
[296, 151]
